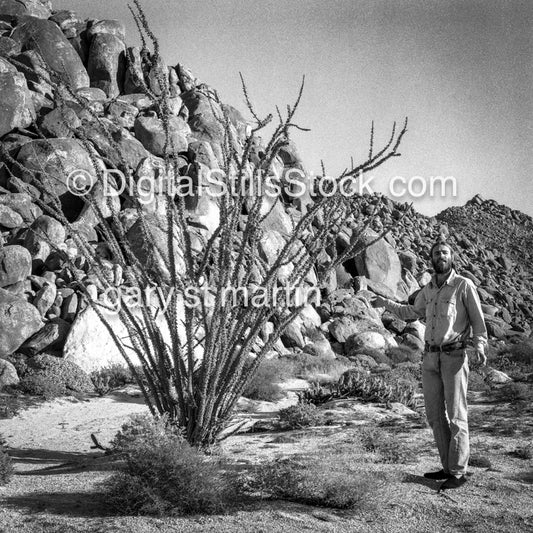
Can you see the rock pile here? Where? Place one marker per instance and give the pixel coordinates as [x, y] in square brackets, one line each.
[41, 307]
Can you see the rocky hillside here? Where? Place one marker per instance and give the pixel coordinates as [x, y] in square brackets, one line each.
[42, 309]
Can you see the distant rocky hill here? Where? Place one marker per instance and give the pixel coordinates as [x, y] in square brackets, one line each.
[42, 309]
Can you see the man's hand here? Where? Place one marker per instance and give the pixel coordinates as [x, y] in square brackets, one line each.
[378, 301]
[481, 358]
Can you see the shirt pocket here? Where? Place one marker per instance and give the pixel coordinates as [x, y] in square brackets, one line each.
[448, 309]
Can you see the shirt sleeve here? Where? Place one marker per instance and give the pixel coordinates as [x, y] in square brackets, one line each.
[475, 315]
[409, 312]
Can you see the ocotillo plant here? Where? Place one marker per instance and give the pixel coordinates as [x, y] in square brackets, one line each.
[196, 354]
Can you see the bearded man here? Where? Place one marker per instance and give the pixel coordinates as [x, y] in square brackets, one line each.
[450, 305]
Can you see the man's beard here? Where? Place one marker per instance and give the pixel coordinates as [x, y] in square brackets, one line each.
[442, 267]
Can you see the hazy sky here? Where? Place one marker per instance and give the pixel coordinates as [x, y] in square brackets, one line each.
[460, 70]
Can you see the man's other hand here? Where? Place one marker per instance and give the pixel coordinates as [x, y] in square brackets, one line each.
[378, 301]
[481, 358]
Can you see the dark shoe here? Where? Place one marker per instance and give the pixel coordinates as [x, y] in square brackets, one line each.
[453, 483]
[441, 474]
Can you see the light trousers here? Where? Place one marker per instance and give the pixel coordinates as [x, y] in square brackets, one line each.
[445, 382]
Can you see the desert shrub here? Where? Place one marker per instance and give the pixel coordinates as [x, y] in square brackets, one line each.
[378, 356]
[111, 377]
[524, 451]
[522, 352]
[143, 429]
[515, 392]
[376, 389]
[300, 416]
[317, 394]
[6, 465]
[476, 382]
[328, 479]
[264, 385]
[42, 385]
[403, 354]
[165, 475]
[479, 461]
[309, 367]
[385, 445]
[406, 373]
[50, 376]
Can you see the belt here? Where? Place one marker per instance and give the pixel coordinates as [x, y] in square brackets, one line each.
[450, 347]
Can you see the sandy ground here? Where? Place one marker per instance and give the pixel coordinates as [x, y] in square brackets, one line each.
[56, 486]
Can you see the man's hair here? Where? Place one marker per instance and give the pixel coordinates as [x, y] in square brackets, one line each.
[440, 242]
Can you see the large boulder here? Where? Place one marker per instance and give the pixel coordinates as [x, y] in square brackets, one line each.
[55, 162]
[150, 131]
[16, 105]
[47, 38]
[19, 320]
[21, 203]
[44, 235]
[90, 345]
[379, 262]
[8, 374]
[151, 247]
[12, 9]
[9, 218]
[15, 265]
[107, 63]
[123, 151]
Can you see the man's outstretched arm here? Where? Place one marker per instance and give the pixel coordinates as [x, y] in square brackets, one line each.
[403, 311]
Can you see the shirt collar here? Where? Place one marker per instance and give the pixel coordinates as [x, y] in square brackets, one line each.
[450, 280]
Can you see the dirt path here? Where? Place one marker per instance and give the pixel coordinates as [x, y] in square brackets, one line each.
[56, 486]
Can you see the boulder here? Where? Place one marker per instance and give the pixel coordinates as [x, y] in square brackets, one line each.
[8, 374]
[15, 264]
[55, 161]
[344, 327]
[107, 63]
[19, 320]
[16, 104]
[50, 337]
[90, 345]
[379, 262]
[21, 203]
[150, 131]
[109, 27]
[152, 249]
[124, 151]
[45, 297]
[9, 218]
[46, 37]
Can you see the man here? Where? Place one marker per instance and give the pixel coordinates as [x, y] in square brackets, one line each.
[451, 308]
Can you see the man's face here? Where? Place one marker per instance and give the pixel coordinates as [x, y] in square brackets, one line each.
[441, 258]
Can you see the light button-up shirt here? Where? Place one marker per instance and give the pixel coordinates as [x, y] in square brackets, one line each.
[451, 312]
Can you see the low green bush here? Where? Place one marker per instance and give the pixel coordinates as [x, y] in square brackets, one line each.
[6, 465]
[51, 376]
[371, 388]
[264, 384]
[385, 445]
[403, 354]
[524, 451]
[329, 479]
[309, 367]
[476, 382]
[164, 475]
[515, 392]
[301, 415]
[111, 377]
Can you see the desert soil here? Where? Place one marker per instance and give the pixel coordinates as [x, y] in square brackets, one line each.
[57, 483]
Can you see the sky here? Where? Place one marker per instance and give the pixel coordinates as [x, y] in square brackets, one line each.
[461, 71]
